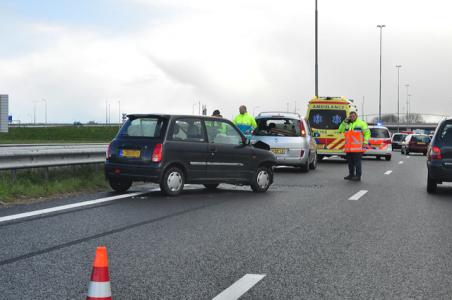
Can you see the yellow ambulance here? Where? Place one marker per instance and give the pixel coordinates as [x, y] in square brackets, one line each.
[324, 115]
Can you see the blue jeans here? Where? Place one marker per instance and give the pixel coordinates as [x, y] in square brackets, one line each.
[354, 163]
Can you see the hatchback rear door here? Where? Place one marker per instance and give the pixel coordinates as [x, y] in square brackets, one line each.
[137, 139]
[444, 142]
[283, 135]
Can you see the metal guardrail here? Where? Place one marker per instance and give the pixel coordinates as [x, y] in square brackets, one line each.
[14, 157]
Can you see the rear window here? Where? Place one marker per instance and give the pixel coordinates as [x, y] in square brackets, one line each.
[326, 119]
[445, 134]
[421, 138]
[277, 127]
[143, 127]
[379, 133]
[398, 137]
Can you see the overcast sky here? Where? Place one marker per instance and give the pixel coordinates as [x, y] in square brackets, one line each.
[166, 55]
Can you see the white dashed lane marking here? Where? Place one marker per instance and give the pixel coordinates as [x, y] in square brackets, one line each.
[240, 287]
[358, 195]
[388, 172]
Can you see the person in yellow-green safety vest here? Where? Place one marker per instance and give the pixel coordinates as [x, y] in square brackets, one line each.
[357, 135]
[244, 121]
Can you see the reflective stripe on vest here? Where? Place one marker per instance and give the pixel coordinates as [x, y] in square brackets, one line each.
[353, 141]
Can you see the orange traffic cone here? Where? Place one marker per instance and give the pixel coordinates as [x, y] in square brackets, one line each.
[99, 286]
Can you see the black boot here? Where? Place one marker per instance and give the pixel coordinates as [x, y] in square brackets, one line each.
[356, 178]
[349, 177]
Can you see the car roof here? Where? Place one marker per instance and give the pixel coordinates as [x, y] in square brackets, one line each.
[377, 126]
[278, 114]
[135, 116]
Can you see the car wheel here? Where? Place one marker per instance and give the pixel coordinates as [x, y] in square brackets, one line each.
[172, 182]
[431, 185]
[425, 153]
[407, 152]
[388, 157]
[401, 151]
[211, 186]
[120, 185]
[313, 164]
[378, 157]
[305, 167]
[262, 180]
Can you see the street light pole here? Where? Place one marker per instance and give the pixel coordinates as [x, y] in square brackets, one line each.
[407, 99]
[316, 53]
[398, 97]
[379, 95]
[45, 106]
[362, 110]
[409, 107]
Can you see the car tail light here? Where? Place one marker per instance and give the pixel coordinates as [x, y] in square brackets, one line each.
[302, 129]
[436, 153]
[108, 153]
[157, 153]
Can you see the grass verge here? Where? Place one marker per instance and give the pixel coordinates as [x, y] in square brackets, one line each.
[64, 134]
[31, 185]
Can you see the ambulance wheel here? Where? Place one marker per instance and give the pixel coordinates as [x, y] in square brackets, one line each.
[388, 157]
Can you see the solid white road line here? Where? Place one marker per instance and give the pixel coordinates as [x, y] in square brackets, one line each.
[400, 162]
[69, 206]
[388, 172]
[358, 195]
[240, 287]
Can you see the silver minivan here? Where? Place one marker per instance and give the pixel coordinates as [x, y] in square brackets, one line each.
[289, 137]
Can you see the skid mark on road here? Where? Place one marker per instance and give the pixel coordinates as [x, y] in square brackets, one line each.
[358, 195]
[240, 287]
[106, 233]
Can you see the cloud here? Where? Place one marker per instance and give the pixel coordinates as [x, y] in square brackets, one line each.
[227, 53]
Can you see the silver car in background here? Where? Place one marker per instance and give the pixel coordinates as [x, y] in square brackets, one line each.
[289, 137]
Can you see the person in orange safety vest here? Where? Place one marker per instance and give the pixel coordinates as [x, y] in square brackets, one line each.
[357, 135]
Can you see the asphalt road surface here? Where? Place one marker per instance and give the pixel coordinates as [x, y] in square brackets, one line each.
[310, 236]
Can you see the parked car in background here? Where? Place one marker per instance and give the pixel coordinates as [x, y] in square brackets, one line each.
[289, 137]
[439, 159]
[379, 143]
[175, 150]
[415, 143]
[397, 140]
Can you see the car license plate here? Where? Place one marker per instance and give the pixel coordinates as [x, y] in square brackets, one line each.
[278, 150]
[130, 153]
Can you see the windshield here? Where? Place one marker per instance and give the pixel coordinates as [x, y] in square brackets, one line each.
[421, 138]
[326, 119]
[143, 127]
[398, 137]
[379, 133]
[278, 127]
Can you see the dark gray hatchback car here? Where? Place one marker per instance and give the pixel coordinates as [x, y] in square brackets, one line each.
[174, 150]
[439, 156]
